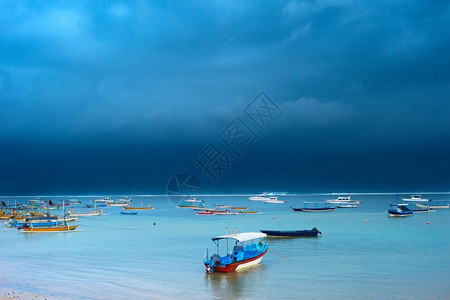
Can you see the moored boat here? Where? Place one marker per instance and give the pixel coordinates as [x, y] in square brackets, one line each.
[343, 200]
[128, 212]
[138, 207]
[400, 210]
[292, 233]
[315, 207]
[273, 200]
[59, 228]
[248, 250]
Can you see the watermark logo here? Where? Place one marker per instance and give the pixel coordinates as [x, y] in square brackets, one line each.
[183, 186]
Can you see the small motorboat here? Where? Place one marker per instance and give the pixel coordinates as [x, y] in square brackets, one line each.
[400, 210]
[315, 207]
[129, 213]
[343, 200]
[292, 233]
[248, 250]
[273, 200]
[259, 197]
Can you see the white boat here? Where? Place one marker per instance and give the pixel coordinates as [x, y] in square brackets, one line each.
[416, 198]
[193, 200]
[347, 205]
[125, 201]
[92, 213]
[274, 200]
[343, 200]
[259, 197]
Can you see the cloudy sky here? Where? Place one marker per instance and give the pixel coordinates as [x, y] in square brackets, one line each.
[97, 96]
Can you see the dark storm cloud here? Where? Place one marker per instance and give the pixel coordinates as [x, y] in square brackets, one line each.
[94, 92]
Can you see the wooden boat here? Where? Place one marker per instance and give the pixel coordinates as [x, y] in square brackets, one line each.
[248, 250]
[248, 212]
[239, 207]
[292, 233]
[315, 207]
[225, 212]
[205, 213]
[138, 208]
[59, 228]
[400, 210]
[90, 213]
[129, 213]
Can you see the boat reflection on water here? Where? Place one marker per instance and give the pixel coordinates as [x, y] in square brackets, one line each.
[235, 285]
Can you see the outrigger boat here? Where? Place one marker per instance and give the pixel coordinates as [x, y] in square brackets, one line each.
[315, 207]
[435, 204]
[58, 228]
[138, 208]
[292, 233]
[121, 202]
[248, 250]
[205, 213]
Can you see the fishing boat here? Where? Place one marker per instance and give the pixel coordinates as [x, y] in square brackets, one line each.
[222, 206]
[149, 207]
[292, 233]
[400, 210]
[273, 200]
[247, 250]
[438, 204]
[90, 213]
[192, 203]
[247, 211]
[239, 207]
[315, 207]
[129, 213]
[225, 212]
[121, 202]
[59, 228]
[343, 200]
[205, 213]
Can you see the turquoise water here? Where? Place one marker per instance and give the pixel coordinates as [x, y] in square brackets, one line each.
[118, 256]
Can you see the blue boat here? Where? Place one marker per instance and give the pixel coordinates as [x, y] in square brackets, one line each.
[248, 250]
[400, 210]
[128, 212]
[292, 233]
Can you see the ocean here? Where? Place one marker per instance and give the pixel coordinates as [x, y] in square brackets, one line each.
[362, 253]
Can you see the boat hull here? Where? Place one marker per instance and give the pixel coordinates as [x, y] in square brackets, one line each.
[137, 208]
[314, 209]
[291, 233]
[239, 265]
[50, 229]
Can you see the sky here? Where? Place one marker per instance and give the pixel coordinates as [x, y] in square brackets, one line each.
[96, 97]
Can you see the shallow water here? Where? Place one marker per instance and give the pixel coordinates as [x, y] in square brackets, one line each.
[119, 256]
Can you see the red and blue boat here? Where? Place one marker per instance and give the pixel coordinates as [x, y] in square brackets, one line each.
[247, 249]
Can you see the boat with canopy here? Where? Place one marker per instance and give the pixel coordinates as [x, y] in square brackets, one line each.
[247, 249]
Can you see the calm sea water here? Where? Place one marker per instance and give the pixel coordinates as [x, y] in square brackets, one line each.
[118, 256]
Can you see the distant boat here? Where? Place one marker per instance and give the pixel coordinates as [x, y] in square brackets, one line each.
[138, 208]
[248, 250]
[400, 210]
[191, 203]
[128, 212]
[343, 200]
[59, 228]
[292, 233]
[205, 213]
[347, 205]
[273, 200]
[225, 212]
[315, 207]
[259, 197]
[120, 202]
[415, 198]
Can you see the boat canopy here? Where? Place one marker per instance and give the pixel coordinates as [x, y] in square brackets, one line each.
[242, 237]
